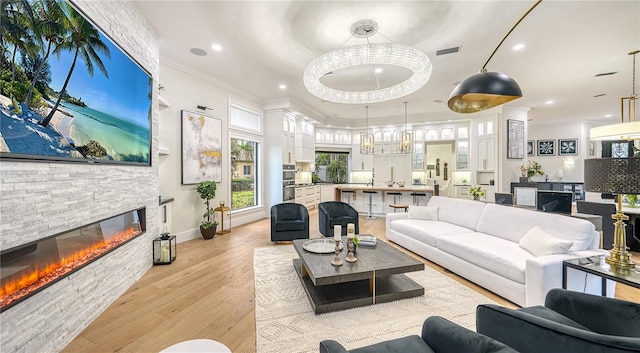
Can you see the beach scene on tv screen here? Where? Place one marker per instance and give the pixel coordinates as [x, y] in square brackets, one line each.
[67, 91]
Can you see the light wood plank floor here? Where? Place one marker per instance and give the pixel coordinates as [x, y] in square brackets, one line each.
[208, 292]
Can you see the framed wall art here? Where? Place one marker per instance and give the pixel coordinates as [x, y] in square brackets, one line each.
[546, 147]
[592, 148]
[531, 148]
[567, 147]
[201, 148]
[515, 139]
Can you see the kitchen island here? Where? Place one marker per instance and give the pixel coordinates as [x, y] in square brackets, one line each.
[381, 200]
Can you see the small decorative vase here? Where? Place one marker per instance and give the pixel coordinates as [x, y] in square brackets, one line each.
[476, 198]
[524, 179]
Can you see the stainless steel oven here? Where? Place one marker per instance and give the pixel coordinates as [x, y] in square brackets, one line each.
[288, 172]
[288, 183]
[289, 191]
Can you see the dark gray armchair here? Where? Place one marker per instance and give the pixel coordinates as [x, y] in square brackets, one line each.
[606, 210]
[289, 221]
[438, 336]
[568, 322]
[331, 213]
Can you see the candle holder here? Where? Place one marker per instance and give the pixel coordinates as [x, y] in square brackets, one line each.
[350, 256]
[336, 260]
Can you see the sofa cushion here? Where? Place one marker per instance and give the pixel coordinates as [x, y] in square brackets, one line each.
[461, 212]
[429, 213]
[540, 243]
[494, 254]
[493, 221]
[426, 231]
[287, 225]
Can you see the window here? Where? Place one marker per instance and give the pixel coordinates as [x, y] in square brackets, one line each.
[331, 167]
[243, 160]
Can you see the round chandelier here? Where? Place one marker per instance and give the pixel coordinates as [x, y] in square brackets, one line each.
[368, 54]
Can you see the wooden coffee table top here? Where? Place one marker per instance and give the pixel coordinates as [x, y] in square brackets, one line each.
[383, 260]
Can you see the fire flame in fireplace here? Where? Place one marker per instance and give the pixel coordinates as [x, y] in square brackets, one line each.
[31, 282]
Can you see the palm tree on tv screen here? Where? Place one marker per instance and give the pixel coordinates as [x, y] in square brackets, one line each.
[14, 29]
[49, 26]
[84, 40]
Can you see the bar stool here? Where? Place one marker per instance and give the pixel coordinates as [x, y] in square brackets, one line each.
[348, 195]
[395, 205]
[416, 197]
[370, 192]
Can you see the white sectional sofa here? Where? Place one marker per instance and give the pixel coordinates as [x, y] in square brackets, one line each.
[483, 243]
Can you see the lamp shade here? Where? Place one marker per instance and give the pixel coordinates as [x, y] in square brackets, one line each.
[483, 91]
[612, 175]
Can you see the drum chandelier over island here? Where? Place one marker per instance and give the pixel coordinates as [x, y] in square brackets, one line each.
[368, 54]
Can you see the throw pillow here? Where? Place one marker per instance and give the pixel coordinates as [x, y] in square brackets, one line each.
[540, 243]
[428, 213]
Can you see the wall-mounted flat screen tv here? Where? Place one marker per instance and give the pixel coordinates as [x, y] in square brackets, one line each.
[68, 92]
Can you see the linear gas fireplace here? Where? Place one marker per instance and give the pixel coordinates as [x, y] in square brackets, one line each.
[29, 268]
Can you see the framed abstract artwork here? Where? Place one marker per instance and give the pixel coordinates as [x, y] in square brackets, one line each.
[531, 148]
[201, 148]
[567, 147]
[515, 139]
[546, 147]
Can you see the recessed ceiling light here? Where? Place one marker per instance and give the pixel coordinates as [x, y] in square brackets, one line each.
[518, 46]
[608, 115]
[282, 86]
[378, 70]
[198, 52]
[549, 102]
[216, 47]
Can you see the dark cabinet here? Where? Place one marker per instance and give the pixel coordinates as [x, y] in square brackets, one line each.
[576, 188]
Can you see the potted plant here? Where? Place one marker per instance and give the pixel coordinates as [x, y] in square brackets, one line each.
[530, 170]
[207, 191]
[476, 192]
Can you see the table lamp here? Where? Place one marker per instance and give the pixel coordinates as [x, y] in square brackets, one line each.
[615, 176]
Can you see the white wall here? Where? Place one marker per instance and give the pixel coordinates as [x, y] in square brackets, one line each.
[554, 166]
[185, 90]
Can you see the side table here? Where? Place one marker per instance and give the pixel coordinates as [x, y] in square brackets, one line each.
[596, 265]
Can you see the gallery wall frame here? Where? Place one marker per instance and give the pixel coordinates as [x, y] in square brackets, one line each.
[568, 147]
[531, 148]
[546, 147]
[515, 139]
[201, 148]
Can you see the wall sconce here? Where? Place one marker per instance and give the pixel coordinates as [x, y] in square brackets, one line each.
[569, 163]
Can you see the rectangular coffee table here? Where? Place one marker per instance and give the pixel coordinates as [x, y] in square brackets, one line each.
[377, 277]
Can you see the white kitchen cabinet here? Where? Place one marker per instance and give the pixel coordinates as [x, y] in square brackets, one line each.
[305, 142]
[360, 161]
[309, 196]
[486, 153]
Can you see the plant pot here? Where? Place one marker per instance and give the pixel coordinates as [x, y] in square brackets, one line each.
[524, 179]
[208, 233]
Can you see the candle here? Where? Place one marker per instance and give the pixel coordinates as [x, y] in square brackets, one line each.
[351, 230]
[337, 232]
[164, 254]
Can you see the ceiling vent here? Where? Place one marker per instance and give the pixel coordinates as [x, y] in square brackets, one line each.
[599, 95]
[448, 51]
[438, 101]
[606, 73]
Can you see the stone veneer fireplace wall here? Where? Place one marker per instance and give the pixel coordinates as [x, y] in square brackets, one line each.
[41, 199]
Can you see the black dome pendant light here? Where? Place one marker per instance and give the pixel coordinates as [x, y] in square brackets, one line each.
[486, 89]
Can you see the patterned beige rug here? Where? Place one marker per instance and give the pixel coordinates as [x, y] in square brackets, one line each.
[285, 321]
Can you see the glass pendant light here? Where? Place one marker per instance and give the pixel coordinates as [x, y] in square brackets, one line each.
[366, 138]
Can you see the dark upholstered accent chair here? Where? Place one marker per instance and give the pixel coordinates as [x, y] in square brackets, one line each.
[504, 199]
[568, 322]
[331, 213]
[606, 210]
[438, 336]
[289, 221]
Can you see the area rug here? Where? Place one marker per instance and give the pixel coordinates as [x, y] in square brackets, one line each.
[285, 321]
